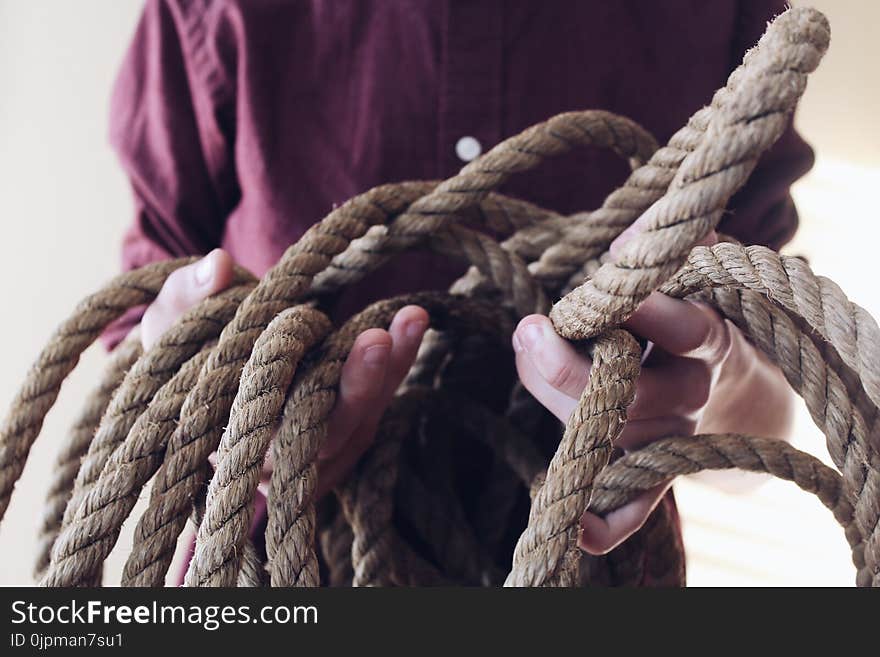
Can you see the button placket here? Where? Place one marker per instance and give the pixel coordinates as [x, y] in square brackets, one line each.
[470, 95]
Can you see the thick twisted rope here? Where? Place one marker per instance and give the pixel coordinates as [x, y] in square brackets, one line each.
[290, 532]
[257, 406]
[146, 377]
[93, 529]
[366, 498]
[656, 556]
[37, 394]
[658, 172]
[70, 456]
[770, 82]
[94, 521]
[516, 145]
[335, 541]
[172, 409]
[849, 328]
[585, 449]
[826, 398]
[663, 460]
[280, 288]
[851, 441]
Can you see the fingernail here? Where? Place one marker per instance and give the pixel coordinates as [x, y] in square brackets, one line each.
[517, 345]
[376, 355]
[414, 329]
[530, 335]
[205, 270]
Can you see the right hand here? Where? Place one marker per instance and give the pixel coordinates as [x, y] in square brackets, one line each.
[375, 367]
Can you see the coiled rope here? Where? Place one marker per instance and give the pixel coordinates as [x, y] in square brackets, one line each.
[467, 482]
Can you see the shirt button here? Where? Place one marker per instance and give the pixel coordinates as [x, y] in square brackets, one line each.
[468, 148]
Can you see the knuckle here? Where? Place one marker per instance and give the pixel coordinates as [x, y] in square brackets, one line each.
[560, 374]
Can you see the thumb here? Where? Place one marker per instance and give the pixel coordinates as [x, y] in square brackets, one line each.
[184, 289]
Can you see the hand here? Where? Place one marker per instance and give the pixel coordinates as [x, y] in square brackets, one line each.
[700, 369]
[374, 369]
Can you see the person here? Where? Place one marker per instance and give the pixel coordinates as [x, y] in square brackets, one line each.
[242, 122]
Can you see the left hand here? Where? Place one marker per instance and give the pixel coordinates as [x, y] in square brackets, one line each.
[701, 369]
[375, 367]
[378, 362]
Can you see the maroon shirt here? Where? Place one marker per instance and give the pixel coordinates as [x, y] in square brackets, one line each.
[242, 122]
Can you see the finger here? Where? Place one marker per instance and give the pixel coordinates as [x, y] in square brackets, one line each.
[638, 433]
[601, 535]
[683, 328]
[407, 329]
[183, 289]
[360, 385]
[553, 357]
[680, 386]
[548, 366]
[558, 403]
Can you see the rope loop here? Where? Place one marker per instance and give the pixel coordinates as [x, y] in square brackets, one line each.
[469, 480]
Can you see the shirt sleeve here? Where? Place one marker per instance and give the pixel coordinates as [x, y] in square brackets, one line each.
[763, 212]
[171, 126]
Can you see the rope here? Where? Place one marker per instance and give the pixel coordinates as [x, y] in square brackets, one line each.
[71, 454]
[469, 481]
[768, 84]
[89, 516]
[663, 460]
[264, 384]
